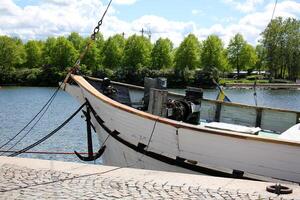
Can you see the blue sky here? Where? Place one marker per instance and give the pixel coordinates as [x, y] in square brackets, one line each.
[39, 19]
[203, 12]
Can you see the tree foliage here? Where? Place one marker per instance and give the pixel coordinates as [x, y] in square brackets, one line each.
[281, 40]
[92, 58]
[131, 59]
[137, 52]
[161, 55]
[235, 51]
[12, 52]
[34, 53]
[187, 55]
[213, 54]
[113, 52]
[76, 40]
[63, 54]
[12, 56]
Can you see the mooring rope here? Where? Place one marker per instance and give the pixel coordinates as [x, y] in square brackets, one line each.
[46, 152]
[75, 67]
[46, 105]
[47, 136]
[40, 117]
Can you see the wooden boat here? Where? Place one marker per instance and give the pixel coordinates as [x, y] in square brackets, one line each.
[227, 142]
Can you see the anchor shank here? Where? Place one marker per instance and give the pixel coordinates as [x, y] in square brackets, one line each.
[89, 132]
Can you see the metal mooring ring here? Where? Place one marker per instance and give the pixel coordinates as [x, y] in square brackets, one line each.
[279, 189]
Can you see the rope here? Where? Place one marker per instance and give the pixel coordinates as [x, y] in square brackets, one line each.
[87, 47]
[47, 136]
[44, 112]
[48, 103]
[255, 94]
[274, 9]
[45, 152]
[153, 129]
[75, 67]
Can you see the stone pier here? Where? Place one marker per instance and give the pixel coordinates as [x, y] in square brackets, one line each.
[23, 178]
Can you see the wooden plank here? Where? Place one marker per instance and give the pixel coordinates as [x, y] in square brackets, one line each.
[158, 102]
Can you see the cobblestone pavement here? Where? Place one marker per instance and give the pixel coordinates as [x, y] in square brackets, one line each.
[19, 182]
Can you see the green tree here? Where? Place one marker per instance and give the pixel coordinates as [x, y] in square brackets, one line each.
[187, 56]
[271, 38]
[76, 40]
[63, 54]
[235, 51]
[213, 54]
[113, 52]
[248, 57]
[161, 55]
[291, 52]
[99, 42]
[261, 54]
[137, 52]
[10, 56]
[48, 52]
[91, 58]
[34, 54]
[281, 40]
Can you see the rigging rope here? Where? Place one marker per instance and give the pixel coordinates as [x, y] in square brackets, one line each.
[16, 143]
[47, 136]
[74, 68]
[47, 104]
[46, 152]
[255, 93]
[150, 138]
[87, 47]
[274, 9]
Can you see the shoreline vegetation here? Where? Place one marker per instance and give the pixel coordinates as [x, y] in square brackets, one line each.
[44, 63]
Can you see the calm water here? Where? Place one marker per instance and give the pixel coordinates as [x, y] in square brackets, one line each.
[19, 104]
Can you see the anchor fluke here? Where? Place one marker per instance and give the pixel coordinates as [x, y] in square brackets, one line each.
[91, 157]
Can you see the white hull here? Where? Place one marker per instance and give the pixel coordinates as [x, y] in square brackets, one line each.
[217, 150]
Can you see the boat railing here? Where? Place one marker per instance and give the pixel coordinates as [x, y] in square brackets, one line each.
[274, 119]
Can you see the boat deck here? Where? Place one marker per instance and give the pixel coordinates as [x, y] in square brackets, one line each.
[239, 128]
[23, 178]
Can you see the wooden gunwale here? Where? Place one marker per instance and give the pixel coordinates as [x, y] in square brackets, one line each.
[89, 88]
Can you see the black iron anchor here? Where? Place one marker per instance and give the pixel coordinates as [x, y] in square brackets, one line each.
[91, 156]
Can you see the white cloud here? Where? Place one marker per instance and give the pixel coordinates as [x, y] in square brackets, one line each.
[251, 25]
[61, 17]
[246, 6]
[49, 18]
[124, 2]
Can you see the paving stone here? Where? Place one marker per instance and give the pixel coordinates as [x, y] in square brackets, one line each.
[19, 182]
